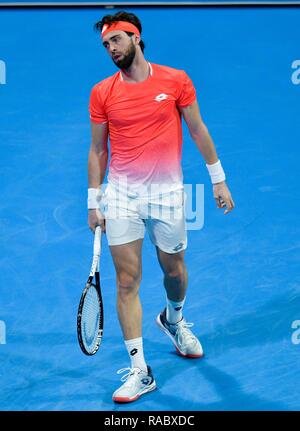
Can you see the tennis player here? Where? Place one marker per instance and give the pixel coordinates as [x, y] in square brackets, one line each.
[140, 109]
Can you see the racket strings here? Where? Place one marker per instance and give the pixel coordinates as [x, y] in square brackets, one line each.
[90, 318]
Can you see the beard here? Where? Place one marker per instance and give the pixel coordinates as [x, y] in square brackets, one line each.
[127, 59]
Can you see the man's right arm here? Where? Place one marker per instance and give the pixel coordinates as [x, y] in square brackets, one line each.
[97, 164]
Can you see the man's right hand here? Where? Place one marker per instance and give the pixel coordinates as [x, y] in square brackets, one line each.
[96, 218]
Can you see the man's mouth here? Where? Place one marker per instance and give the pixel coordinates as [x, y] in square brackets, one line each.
[117, 56]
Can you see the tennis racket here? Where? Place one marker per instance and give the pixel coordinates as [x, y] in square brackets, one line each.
[90, 310]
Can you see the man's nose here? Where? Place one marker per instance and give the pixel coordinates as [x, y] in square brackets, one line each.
[112, 48]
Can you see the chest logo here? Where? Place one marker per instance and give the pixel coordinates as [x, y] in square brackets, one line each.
[161, 97]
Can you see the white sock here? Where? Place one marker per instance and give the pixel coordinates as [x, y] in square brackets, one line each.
[174, 310]
[135, 351]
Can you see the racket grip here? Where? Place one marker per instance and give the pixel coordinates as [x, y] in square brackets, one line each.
[97, 241]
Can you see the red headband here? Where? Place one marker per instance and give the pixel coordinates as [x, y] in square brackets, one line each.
[120, 25]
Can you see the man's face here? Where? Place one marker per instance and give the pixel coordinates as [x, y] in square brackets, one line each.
[120, 47]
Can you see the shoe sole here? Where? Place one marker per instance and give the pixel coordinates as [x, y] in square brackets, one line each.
[189, 355]
[150, 388]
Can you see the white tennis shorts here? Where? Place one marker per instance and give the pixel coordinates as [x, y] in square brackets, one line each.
[128, 215]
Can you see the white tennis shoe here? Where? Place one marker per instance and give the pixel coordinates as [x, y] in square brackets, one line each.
[136, 383]
[185, 342]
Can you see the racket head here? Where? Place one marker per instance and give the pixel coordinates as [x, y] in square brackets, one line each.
[90, 317]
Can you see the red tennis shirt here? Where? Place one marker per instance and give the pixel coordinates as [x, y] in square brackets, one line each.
[144, 124]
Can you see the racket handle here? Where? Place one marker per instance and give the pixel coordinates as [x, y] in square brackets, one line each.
[97, 241]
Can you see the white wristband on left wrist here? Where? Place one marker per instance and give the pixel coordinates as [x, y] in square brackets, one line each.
[216, 172]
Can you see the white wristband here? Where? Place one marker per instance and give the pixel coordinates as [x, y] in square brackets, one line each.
[217, 175]
[94, 196]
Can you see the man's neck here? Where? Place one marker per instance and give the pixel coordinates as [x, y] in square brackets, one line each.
[137, 72]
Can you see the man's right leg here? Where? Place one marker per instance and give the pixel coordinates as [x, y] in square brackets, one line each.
[128, 264]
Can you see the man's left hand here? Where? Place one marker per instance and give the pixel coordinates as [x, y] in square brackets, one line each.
[223, 197]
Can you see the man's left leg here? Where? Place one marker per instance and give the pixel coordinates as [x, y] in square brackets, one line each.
[171, 320]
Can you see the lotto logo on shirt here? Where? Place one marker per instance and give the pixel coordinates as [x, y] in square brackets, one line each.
[161, 97]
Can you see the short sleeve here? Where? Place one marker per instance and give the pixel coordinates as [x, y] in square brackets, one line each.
[187, 94]
[96, 107]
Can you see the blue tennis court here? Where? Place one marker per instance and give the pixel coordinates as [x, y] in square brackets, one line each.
[244, 279]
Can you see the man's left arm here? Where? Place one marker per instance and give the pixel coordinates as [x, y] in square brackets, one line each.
[204, 142]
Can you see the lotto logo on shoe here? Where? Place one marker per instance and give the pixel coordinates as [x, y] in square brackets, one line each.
[161, 97]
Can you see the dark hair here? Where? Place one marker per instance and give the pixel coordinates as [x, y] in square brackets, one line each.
[121, 16]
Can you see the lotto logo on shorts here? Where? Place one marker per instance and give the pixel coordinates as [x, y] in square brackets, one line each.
[2, 72]
[178, 248]
[2, 332]
[296, 74]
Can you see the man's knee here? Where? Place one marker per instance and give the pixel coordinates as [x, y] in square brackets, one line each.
[128, 283]
[176, 273]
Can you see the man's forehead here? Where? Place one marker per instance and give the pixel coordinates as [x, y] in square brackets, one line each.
[112, 34]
